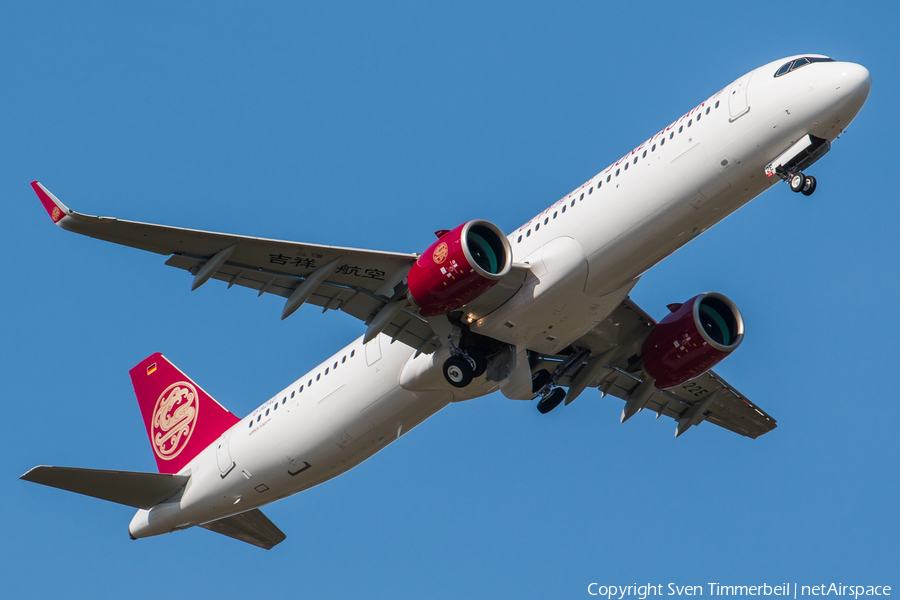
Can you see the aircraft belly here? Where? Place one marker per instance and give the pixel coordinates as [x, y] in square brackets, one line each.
[551, 309]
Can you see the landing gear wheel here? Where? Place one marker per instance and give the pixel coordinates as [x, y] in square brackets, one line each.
[797, 182]
[551, 400]
[539, 380]
[458, 371]
[477, 360]
[809, 186]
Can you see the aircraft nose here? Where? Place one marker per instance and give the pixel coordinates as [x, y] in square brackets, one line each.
[854, 81]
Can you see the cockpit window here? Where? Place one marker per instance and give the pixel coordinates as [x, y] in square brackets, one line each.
[800, 62]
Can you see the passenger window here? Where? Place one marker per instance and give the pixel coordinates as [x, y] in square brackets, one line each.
[318, 376]
[344, 359]
[644, 155]
[572, 203]
[292, 394]
[528, 233]
[258, 417]
[547, 220]
[635, 160]
[301, 390]
[309, 383]
[276, 404]
[662, 141]
[717, 104]
[335, 364]
[698, 117]
[538, 226]
[626, 166]
[707, 110]
[689, 122]
[608, 177]
[590, 191]
[250, 424]
[352, 353]
[283, 400]
[267, 412]
[581, 197]
[518, 241]
[680, 128]
[326, 370]
[554, 214]
[617, 172]
[563, 209]
[653, 148]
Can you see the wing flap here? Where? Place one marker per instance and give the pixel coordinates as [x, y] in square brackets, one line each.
[730, 409]
[252, 527]
[140, 490]
[361, 303]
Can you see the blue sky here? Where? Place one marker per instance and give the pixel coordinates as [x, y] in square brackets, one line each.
[373, 126]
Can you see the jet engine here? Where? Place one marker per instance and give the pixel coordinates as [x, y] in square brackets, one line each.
[692, 339]
[459, 267]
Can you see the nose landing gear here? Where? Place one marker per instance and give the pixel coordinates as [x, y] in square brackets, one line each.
[804, 184]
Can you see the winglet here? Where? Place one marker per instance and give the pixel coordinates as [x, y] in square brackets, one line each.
[56, 209]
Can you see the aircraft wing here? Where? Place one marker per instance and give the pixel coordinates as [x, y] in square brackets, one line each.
[612, 366]
[358, 282]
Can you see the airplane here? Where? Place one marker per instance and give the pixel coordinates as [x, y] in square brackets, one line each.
[543, 312]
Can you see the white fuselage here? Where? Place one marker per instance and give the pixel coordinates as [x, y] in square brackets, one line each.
[586, 252]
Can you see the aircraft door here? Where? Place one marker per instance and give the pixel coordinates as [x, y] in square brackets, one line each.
[223, 455]
[738, 104]
[373, 351]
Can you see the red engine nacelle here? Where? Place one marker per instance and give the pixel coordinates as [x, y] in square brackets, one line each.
[692, 339]
[459, 267]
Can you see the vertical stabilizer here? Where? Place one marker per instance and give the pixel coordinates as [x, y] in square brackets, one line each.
[181, 418]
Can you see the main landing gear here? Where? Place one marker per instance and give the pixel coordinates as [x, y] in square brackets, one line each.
[804, 184]
[551, 400]
[544, 383]
[465, 365]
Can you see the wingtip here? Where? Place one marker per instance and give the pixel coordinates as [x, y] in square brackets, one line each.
[56, 209]
[29, 474]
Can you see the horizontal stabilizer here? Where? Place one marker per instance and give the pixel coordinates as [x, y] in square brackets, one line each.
[140, 490]
[252, 527]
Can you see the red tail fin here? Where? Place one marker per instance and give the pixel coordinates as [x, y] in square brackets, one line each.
[181, 418]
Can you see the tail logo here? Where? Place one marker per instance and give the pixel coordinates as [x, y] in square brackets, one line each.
[174, 418]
